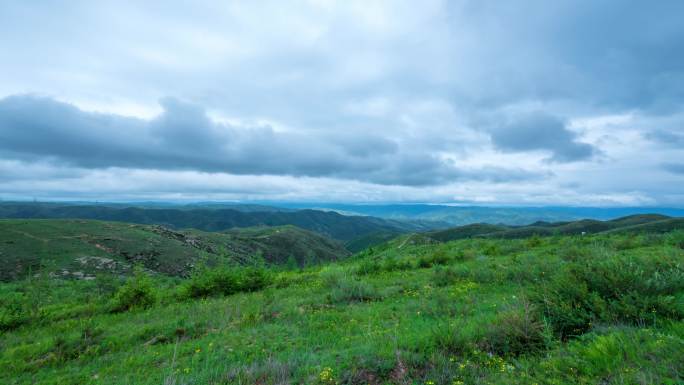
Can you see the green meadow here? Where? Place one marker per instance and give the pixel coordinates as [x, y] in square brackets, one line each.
[562, 309]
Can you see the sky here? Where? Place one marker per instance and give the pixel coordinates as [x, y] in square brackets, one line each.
[463, 102]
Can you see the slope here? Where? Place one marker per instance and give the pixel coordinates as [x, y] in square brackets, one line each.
[632, 223]
[82, 248]
[330, 224]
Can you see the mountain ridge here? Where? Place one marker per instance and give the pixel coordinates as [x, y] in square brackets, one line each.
[78, 248]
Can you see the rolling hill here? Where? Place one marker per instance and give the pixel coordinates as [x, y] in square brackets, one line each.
[83, 248]
[464, 215]
[597, 309]
[331, 224]
[652, 223]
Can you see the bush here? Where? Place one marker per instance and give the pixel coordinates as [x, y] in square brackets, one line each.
[439, 257]
[369, 266]
[396, 264]
[137, 293]
[676, 239]
[615, 290]
[533, 241]
[346, 290]
[87, 343]
[254, 279]
[515, 332]
[13, 311]
[225, 281]
[374, 266]
[574, 253]
[459, 339]
[467, 254]
[445, 276]
[491, 249]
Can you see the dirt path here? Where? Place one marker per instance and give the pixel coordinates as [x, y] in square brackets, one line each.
[405, 240]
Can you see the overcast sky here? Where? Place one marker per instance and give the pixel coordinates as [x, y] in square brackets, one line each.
[486, 102]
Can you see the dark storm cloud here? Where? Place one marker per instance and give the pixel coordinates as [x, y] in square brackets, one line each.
[184, 138]
[540, 131]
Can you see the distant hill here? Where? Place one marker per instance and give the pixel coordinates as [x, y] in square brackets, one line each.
[651, 223]
[82, 248]
[463, 215]
[331, 224]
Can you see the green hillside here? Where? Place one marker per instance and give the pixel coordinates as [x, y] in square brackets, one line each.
[83, 248]
[632, 223]
[330, 224]
[594, 309]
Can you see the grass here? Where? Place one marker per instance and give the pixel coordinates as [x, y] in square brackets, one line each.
[472, 311]
[85, 248]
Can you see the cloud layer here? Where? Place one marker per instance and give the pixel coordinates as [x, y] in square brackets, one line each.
[183, 137]
[564, 102]
[541, 132]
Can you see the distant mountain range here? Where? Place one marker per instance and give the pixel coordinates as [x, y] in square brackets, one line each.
[641, 223]
[463, 215]
[632, 224]
[218, 218]
[357, 226]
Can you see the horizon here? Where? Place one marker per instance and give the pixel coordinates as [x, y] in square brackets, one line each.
[483, 104]
[322, 204]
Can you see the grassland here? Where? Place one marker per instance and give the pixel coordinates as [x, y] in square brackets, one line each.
[84, 248]
[564, 309]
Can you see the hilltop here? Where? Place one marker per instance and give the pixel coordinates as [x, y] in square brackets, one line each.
[82, 248]
[341, 227]
[449, 215]
[640, 223]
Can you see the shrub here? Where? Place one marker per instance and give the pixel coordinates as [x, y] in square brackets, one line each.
[225, 281]
[515, 332]
[491, 249]
[374, 266]
[369, 266]
[615, 290]
[676, 239]
[138, 292]
[534, 241]
[254, 279]
[439, 257]
[459, 339]
[87, 343]
[13, 312]
[396, 264]
[512, 333]
[346, 290]
[445, 276]
[574, 253]
[467, 254]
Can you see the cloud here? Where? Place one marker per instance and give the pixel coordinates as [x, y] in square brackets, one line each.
[443, 99]
[541, 131]
[183, 137]
[667, 137]
[675, 168]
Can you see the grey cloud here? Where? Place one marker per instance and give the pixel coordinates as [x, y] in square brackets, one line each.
[540, 131]
[356, 82]
[667, 137]
[184, 138]
[674, 168]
